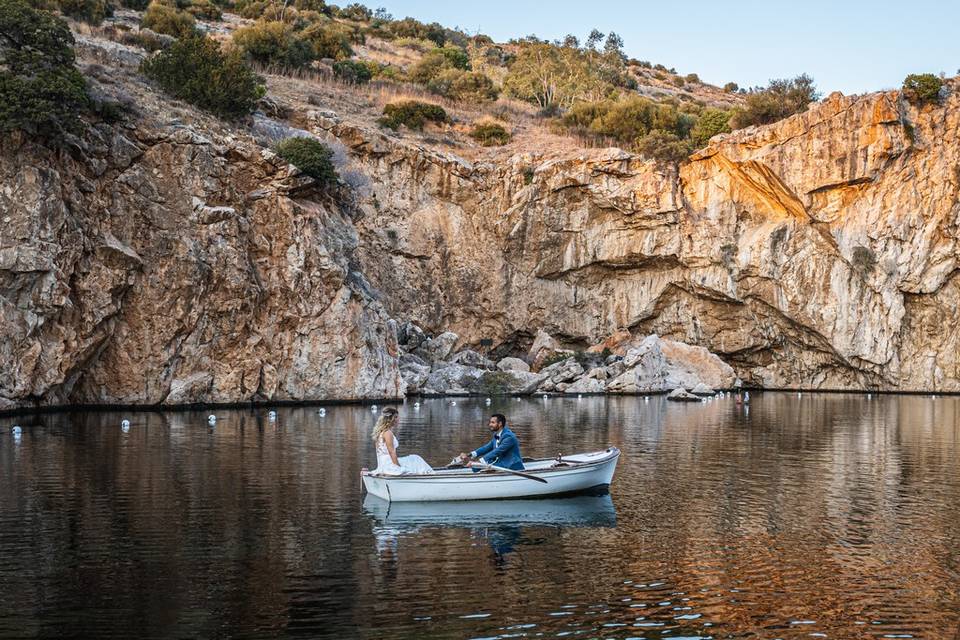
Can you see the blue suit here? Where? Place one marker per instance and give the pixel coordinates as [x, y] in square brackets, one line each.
[503, 450]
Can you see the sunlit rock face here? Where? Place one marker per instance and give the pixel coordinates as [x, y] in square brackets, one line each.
[158, 262]
[153, 265]
[817, 252]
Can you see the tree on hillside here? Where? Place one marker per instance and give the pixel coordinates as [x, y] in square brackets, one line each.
[553, 77]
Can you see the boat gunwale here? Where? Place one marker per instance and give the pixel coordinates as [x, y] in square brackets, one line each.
[613, 454]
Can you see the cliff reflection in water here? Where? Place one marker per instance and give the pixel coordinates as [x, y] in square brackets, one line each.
[816, 514]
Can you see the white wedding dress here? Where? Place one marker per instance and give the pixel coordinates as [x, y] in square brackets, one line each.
[408, 464]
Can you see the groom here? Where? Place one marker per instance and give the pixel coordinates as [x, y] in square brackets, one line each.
[503, 449]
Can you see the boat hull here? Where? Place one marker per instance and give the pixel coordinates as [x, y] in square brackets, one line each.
[583, 472]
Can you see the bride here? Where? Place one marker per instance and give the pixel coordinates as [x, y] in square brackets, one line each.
[387, 461]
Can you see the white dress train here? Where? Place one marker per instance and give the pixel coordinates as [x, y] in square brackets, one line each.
[408, 464]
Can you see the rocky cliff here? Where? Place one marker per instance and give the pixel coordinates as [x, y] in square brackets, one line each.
[818, 252]
[176, 260]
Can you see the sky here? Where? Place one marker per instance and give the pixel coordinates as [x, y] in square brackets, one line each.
[853, 47]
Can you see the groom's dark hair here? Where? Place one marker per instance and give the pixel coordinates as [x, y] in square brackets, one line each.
[500, 418]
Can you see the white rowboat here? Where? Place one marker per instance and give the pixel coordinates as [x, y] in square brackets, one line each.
[577, 511]
[573, 474]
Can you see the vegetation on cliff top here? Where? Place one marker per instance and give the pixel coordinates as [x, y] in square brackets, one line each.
[41, 91]
[922, 88]
[586, 88]
[196, 70]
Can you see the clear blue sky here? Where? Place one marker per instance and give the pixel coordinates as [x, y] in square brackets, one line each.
[849, 46]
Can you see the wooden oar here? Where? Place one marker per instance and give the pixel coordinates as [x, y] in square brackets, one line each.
[516, 473]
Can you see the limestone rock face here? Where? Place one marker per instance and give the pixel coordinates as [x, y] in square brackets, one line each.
[512, 364]
[153, 265]
[820, 251]
[174, 259]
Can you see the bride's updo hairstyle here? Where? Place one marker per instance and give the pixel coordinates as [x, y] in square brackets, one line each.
[389, 418]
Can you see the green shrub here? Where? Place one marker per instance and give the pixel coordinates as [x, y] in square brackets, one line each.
[412, 114]
[473, 87]
[663, 146]
[710, 123]
[417, 44]
[356, 11]
[310, 156]
[204, 10]
[781, 99]
[164, 18]
[490, 134]
[677, 81]
[144, 39]
[251, 9]
[438, 60]
[90, 11]
[41, 91]
[194, 69]
[922, 88]
[352, 71]
[628, 119]
[320, 6]
[731, 87]
[275, 44]
[136, 5]
[411, 28]
[467, 86]
[692, 77]
[329, 40]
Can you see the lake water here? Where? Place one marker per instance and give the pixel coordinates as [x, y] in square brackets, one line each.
[825, 515]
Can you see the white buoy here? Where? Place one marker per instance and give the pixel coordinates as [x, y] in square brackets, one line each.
[272, 414]
[746, 397]
[373, 408]
[453, 403]
[125, 424]
[646, 398]
[579, 395]
[16, 431]
[544, 396]
[799, 394]
[322, 411]
[869, 396]
[211, 419]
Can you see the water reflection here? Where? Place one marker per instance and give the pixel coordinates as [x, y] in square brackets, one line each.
[820, 514]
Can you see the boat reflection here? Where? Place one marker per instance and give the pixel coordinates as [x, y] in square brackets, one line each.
[579, 511]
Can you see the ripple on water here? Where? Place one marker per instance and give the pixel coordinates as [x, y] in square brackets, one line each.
[820, 516]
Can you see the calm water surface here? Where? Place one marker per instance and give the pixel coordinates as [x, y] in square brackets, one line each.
[823, 515]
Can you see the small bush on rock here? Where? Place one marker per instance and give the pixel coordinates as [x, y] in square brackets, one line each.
[490, 134]
[310, 156]
[41, 91]
[412, 114]
[922, 88]
[194, 69]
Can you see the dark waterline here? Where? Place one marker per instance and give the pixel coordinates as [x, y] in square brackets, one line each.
[819, 514]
